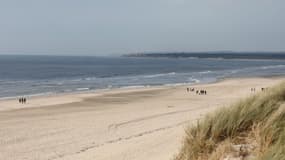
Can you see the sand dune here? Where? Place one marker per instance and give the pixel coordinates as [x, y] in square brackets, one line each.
[121, 124]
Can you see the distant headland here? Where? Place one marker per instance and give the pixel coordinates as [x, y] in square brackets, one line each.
[216, 55]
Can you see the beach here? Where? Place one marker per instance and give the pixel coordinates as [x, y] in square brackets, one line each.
[122, 124]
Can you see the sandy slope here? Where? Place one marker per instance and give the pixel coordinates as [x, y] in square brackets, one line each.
[140, 124]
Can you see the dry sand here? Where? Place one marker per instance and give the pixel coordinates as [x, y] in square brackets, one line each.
[122, 124]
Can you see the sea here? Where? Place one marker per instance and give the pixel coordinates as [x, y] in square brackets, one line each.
[43, 75]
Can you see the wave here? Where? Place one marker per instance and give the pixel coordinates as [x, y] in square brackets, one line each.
[159, 75]
[265, 67]
[82, 89]
[28, 95]
[273, 66]
[89, 78]
[205, 72]
[256, 69]
[175, 84]
[194, 80]
[134, 87]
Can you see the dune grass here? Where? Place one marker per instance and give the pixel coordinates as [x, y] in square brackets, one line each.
[260, 117]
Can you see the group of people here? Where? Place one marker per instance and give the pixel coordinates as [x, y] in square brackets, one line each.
[199, 92]
[262, 89]
[22, 100]
[190, 89]
[252, 89]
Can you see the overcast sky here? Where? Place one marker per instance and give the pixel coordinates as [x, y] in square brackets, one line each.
[101, 27]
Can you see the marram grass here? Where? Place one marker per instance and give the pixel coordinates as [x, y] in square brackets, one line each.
[265, 111]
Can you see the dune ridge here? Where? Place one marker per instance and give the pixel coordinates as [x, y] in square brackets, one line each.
[252, 128]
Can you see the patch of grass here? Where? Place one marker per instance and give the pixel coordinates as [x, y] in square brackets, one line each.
[262, 110]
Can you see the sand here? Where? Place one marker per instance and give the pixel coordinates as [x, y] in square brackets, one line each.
[121, 124]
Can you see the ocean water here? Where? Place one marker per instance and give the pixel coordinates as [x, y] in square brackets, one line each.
[38, 75]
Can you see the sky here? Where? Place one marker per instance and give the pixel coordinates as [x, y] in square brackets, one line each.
[112, 27]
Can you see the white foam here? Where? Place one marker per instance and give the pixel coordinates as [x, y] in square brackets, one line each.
[29, 95]
[82, 89]
[194, 80]
[176, 84]
[159, 75]
[133, 87]
[272, 66]
[205, 72]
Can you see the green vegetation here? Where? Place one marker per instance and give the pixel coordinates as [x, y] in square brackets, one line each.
[258, 122]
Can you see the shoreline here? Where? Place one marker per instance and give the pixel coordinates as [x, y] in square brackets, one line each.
[50, 94]
[86, 89]
[81, 95]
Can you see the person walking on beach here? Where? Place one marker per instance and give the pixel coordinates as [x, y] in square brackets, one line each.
[22, 100]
